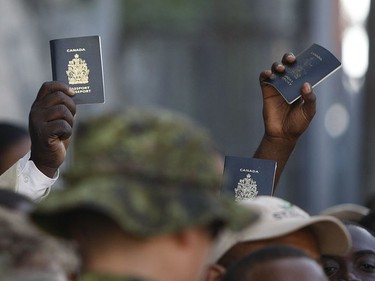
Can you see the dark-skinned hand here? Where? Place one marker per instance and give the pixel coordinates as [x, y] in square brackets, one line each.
[283, 120]
[51, 121]
[284, 123]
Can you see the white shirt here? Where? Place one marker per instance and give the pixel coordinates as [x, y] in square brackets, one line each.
[25, 178]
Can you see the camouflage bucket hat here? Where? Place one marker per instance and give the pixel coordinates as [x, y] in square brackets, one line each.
[152, 172]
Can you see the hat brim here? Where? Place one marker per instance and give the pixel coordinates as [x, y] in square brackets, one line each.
[141, 209]
[333, 238]
[347, 212]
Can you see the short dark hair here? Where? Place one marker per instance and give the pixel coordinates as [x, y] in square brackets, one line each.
[238, 270]
[10, 134]
[9, 199]
[368, 222]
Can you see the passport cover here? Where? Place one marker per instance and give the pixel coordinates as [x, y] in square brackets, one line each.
[313, 65]
[78, 62]
[245, 178]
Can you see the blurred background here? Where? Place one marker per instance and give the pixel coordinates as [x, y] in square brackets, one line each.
[203, 58]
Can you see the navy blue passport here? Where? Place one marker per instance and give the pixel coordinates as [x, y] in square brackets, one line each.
[245, 178]
[313, 65]
[78, 62]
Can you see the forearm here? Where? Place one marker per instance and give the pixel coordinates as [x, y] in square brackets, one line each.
[276, 149]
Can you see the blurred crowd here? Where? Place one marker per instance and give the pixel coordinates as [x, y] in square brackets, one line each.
[141, 200]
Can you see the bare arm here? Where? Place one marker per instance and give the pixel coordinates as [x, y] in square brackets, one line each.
[284, 123]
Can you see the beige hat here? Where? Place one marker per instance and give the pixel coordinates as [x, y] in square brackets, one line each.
[279, 217]
[347, 212]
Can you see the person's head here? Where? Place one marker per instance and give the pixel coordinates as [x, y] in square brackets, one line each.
[106, 248]
[26, 253]
[370, 201]
[276, 263]
[9, 199]
[280, 222]
[14, 144]
[146, 179]
[368, 221]
[358, 263]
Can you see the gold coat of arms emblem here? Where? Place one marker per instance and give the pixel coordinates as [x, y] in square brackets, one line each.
[78, 72]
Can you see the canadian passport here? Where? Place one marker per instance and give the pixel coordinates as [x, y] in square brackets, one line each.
[313, 65]
[78, 62]
[245, 178]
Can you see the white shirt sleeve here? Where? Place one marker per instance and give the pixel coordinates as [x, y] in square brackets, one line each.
[25, 178]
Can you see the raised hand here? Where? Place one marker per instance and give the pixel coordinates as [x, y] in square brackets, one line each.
[284, 123]
[51, 121]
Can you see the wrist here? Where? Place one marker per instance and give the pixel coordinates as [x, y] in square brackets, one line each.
[275, 148]
[279, 141]
[45, 169]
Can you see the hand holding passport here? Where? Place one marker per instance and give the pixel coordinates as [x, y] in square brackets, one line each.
[78, 63]
[313, 65]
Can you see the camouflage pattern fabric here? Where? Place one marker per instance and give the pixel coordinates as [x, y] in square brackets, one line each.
[30, 275]
[152, 172]
[27, 254]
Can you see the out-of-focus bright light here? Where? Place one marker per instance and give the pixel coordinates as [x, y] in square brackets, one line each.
[352, 85]
[356, 10]
[355, 45]
[336, 120]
